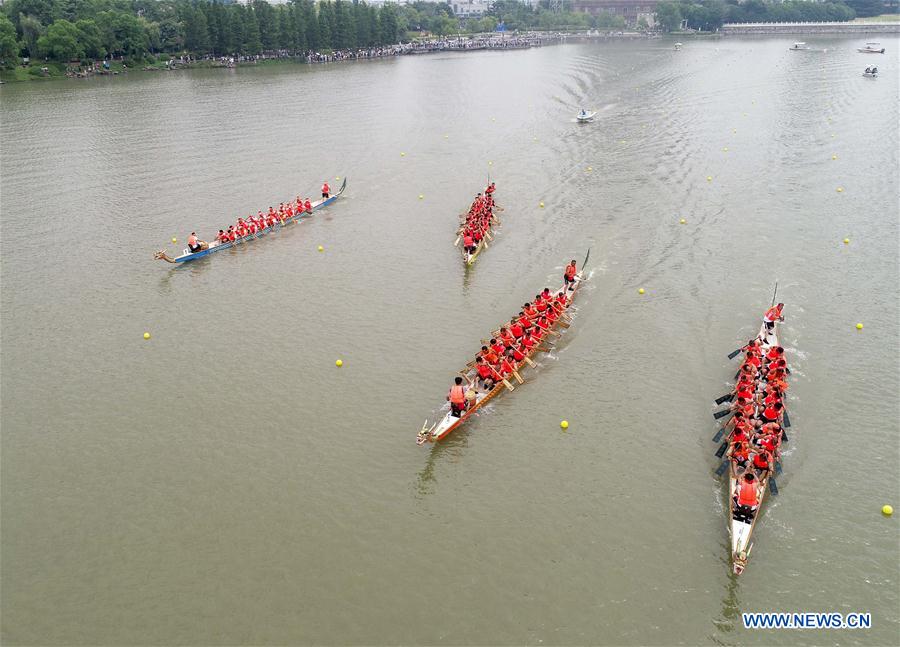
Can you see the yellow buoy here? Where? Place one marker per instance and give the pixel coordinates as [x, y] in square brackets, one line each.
[709, 178]
[840, 189]
[887, 510]
[174, 240]
[859, 326]
[734, 130]
[490, 163]
[590, 168]
[542, 205]
[339, 363]
[421, 197]
[834, 157]
[402, 154]
[446, 136]
[846, 241]
[337, 178]
[564, 424]
[725, 149]
[682, 221]
[321, 249]
[640, 290]
[146, 335]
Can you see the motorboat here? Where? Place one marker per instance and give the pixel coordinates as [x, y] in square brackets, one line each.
[871, 48]
[584, 116]
[800, 47]
[871, 73]
[678, 46]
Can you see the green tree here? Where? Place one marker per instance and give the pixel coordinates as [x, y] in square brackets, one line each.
[252, 44]
[668, 15]
[90, 38]
[196, 31]
[31, 29]
[325, 35]
[9, 46]
[387, 25]
[60, 42]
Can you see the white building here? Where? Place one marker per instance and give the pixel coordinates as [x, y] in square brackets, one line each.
[469, 8]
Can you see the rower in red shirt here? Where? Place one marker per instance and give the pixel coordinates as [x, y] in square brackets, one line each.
[308, 206]
[485, 373]
[326, 190]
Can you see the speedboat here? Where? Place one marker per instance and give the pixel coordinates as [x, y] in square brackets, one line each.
[584, 116]
[678, 45]
[800, 47]
[871, 48]
[871, 72]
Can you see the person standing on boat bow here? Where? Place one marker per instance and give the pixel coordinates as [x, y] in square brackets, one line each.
[772, 315]
[569, 276]
[326, 191]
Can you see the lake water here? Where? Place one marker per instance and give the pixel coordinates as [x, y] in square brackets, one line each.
[225, 483]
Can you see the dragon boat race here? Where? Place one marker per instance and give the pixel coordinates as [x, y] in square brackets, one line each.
[585, 341]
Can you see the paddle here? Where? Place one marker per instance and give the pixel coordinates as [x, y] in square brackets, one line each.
[721, 450]
[722, 414]
[721, 469]
[778, 469]
[718, 435]
[728, 397]
[787, 420]
[773, 486]
[734, 354]
[784, 435]
[458, 238]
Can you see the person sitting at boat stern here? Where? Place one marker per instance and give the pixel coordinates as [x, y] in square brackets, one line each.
[457, 397]
[747, 496]
[195, 244]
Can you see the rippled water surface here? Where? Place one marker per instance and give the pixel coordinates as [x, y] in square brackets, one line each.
[224, 483]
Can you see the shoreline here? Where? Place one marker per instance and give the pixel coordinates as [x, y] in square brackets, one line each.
[49, 70]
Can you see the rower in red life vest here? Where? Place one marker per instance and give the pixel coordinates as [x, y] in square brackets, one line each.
[747, 494]
[761, 463]
[326, 191]
[738, 453]
[490, 189]
[485, 373]
[469, 242]
[569, 276]
[308, 206]
[457, 397]
[772, 315]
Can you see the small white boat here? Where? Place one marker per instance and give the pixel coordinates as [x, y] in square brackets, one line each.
[800, 47]
[871, 73]
[584, 116]
[678, 46]
[871, 48]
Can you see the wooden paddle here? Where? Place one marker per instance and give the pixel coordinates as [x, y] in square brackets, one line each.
[722, 414]
[722, 467]
[728, 397]
[773, 486]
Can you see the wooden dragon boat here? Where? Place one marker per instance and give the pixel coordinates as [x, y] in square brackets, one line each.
[742, 520]
[215, 246]
[449, 422]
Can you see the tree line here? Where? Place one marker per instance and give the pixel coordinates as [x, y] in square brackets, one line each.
[68, 30]
[709, 15]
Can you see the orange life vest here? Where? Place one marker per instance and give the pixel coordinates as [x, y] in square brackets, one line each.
[570, 272]
[457, 394]
[747, 495]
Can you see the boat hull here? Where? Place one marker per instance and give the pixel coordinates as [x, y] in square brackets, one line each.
[187, 256]
[449, 422]
[741, 526]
